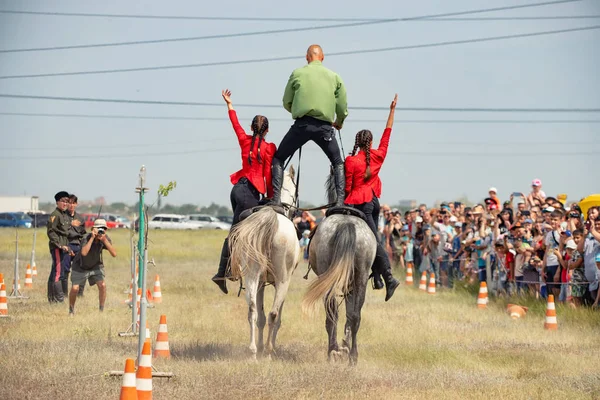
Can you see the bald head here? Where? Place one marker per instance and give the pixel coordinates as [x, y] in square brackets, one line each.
[314, 53]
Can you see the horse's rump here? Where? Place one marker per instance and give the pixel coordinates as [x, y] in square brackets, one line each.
[251, 240]
[336, 280]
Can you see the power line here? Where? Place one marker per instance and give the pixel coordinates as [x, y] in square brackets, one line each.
[271, 59]
[349, 120]
[232, 149]
[362, 108]
[267, 32]
[212, 18]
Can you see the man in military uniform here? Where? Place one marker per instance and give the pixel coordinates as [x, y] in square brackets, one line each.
[74, 236]
[57, 228]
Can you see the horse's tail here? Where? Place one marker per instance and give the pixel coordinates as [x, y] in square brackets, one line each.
[338, 277]
[252, 240]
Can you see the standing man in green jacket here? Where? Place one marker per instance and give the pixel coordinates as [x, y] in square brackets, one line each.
[58, 228]
[316, 97]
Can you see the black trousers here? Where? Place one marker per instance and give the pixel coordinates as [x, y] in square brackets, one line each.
[371, 211]
[305, 129]
[57, 276]
[243, 196]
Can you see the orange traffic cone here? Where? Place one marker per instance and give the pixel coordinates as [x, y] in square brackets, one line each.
[18, 284]
[550, 323]
[482, 297]
[431, 287]
[161, 348]
[516, 311]
[1, 278]
[148, 332]
[143, 377]
[157, 293]
[34, 269]
[128, 390]
[423, 282]
[3, 301]
[409, 277]
[149, 296]
[28, 280]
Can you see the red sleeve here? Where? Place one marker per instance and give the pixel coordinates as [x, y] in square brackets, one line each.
[385, 141]
[348, 169]
[271, 149]
[239, 131]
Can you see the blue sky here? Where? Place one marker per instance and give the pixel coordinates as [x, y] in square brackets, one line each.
[427, 161]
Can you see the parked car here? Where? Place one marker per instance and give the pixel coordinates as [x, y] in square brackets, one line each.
[89, 219]
[113, 221]
[15, 220]
[39, 219]
[208, 222]
[170, 221]
[228, 219]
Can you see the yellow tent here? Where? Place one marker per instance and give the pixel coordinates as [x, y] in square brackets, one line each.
[592, 200]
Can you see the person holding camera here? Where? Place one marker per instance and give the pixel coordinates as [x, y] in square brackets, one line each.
[88, 264]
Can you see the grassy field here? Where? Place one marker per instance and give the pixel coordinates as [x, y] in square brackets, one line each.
[415, 346]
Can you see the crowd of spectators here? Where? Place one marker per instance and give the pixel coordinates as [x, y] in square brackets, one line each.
[530, 244]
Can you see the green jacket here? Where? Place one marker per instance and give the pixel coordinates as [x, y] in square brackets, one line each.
[58, 228]
[318, 92]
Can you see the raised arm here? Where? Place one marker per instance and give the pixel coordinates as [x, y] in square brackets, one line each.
[385, 138]
[239, 131]
[267, 168]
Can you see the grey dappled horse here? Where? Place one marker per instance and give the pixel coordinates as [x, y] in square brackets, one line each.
[265, 249]
[341, 253]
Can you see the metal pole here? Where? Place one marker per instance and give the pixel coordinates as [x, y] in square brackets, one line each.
[133, 289]
[16, 282]
[32, 263]
[142, 263]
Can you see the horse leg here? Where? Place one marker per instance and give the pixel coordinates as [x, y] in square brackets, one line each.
[260, 303]
[251, 292]
[331, 319]
[354, 302]
[281, 290]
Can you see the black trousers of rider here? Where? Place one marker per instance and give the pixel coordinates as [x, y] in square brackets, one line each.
[371, 210]
[243, 197]
[305, 129]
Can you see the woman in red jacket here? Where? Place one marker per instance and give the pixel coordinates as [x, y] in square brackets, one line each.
[363, 187]
[252, 180]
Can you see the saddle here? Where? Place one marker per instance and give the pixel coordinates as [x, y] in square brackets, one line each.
[246, 213]
[345, 210]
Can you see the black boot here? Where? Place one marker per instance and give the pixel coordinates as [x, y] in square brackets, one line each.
[383, 266]
[219, 278]
[377, 282]
[277, 181]
[340, 184]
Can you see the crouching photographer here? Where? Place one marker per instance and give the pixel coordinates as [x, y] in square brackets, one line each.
[88, 264]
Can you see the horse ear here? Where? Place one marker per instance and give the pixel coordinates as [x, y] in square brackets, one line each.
[292, 172]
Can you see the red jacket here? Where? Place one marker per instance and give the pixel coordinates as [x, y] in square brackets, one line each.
[359, 191]
[259, 173]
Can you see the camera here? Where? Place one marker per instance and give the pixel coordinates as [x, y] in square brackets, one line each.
[573, 214]
[101, 231]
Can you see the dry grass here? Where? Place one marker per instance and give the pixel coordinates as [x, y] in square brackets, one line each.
[415, 346]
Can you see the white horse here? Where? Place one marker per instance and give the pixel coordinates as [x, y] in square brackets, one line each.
[265, 249]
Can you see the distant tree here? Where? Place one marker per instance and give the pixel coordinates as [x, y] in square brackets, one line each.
[118, 207]
[188, 209]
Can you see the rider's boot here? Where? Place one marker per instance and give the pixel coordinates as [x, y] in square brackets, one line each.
[340, 184]
[384, 267]
[219, 278]
[377, 281]
[277, 181]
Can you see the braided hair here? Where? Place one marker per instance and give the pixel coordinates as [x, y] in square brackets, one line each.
[260, 125]
[363, 142]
